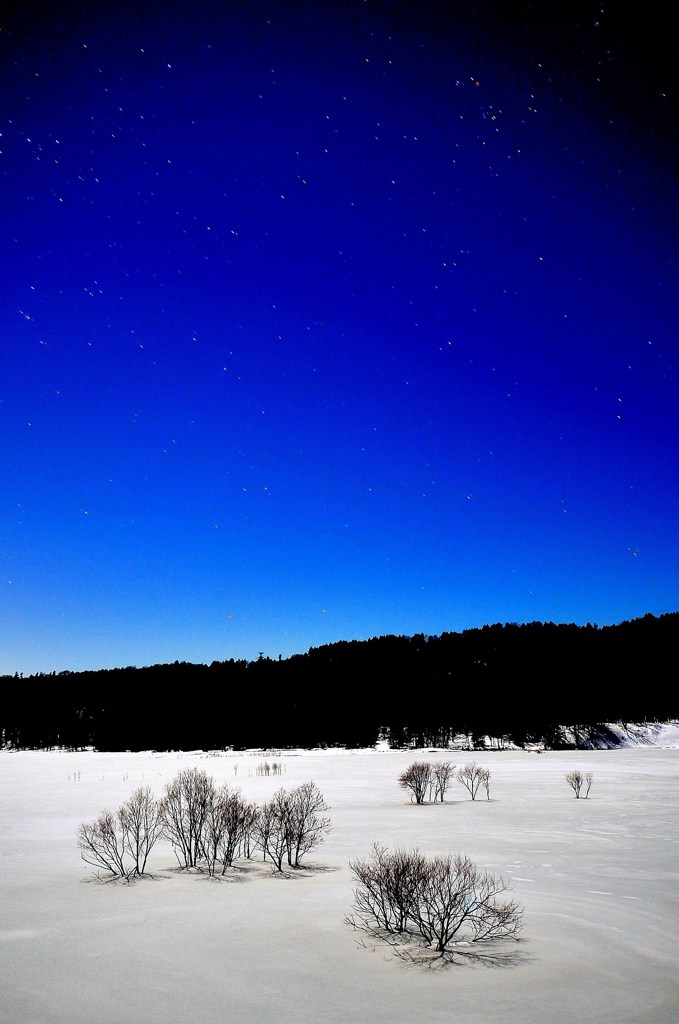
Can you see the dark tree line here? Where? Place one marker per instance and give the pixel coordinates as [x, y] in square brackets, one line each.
[519, 683]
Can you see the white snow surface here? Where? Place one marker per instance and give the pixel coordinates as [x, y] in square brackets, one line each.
[597, 878]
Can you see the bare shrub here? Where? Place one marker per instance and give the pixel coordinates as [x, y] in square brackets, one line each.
[141, 820]
[450, 903]
[270, 830]
[185, 809]
[291, 824]
[580, 783]
[417, 778]
[472, 777]
[305, 824]
[206, 826]
[237, 815]
[442, 775]
[103, 845]
[249, 840]
[213, 828]
[387, 883]
[459, 901]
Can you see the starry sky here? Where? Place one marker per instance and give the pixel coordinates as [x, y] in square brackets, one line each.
[323, 321]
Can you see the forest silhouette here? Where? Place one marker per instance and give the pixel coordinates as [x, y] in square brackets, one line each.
[545, 683]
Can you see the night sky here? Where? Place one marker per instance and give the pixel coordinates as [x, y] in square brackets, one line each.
[333, 320]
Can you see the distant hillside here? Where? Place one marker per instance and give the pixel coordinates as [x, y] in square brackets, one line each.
[643, 734]
[547, 683]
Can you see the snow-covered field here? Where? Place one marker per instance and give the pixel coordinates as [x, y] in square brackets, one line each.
[598, 880]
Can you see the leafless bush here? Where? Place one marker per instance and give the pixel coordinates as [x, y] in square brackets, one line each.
[103, 845]
[249, 839]
[270, 830]
[442, 775]
[580, 783]
[237, 816]
[459, 901]
[141, 821]
[387, 883]
[449, 902]
[427, 781]
[213, 829]
[206, 826]
[305, 824]
[472, 777]
[291, 824]
[119, 843]
[185, 807]
[417, 778]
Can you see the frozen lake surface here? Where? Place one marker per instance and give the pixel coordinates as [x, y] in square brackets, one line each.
[598, 880]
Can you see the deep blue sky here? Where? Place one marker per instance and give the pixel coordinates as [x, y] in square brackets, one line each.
[325, 321]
